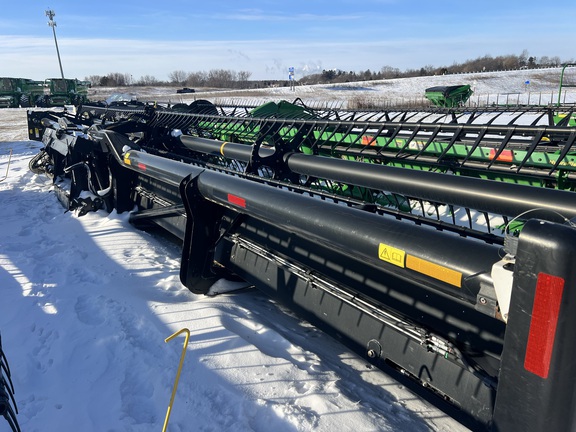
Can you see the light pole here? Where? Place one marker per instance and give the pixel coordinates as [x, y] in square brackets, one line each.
[51, 14]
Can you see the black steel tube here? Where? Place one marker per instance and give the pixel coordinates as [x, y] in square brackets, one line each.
[496, 197]
[230, 150]
[163, 169]
[486, 195]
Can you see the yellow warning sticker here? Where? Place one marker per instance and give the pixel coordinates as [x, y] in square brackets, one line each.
[127, 158]
[391, 254]
[435, 271]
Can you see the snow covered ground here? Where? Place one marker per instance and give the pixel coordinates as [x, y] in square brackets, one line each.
[86, 303]
[85, 306]
[531, 86]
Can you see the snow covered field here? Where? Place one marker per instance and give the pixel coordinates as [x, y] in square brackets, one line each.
[532, 86]
[85, 306]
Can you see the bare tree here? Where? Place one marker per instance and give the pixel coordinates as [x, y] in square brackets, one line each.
[221, 77]
[197, 79]
[389, 72]
[178, 77]
[118, 79]
[555, 61]
[94, 79]
[244, 76]
[523, 58]
[147, 80]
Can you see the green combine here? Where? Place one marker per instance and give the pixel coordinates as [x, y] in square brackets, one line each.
[449, 96]
[19, 92]
[64, 92]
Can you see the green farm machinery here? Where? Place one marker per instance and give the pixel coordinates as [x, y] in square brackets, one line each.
[64, 92]
[24, 92]
[439, 244]
[19, 92]
[449, 96]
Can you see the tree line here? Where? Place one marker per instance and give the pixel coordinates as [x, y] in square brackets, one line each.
[480, 64]
[224, 78]
[219, 78]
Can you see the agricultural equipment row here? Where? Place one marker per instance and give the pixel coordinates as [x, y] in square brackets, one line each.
[24, 92]
[437, 243]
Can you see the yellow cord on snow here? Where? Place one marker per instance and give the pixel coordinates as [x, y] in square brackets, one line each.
[168, 339]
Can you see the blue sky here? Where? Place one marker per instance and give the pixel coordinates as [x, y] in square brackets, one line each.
[266, 37]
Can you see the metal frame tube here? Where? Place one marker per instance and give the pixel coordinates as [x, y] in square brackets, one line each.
[500, 198]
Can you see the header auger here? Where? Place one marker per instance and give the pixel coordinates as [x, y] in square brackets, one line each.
[428, 241]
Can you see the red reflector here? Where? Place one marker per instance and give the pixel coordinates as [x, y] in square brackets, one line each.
[236, 200]
[142, 166]
[543, 324]
[368, 140]
[505, 156]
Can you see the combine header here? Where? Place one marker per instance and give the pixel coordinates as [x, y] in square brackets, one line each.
[438, 244]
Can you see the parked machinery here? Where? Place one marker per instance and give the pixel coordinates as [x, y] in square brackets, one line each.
[64, 92]
[19, 92]
[449, 96]
[436, 243]
[24, 92]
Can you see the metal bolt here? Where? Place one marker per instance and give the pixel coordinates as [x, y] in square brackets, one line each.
[371, 353]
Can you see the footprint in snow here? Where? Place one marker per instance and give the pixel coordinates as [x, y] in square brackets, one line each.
[90, 310]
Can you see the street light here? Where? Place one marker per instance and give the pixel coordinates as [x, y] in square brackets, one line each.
[51, 14]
